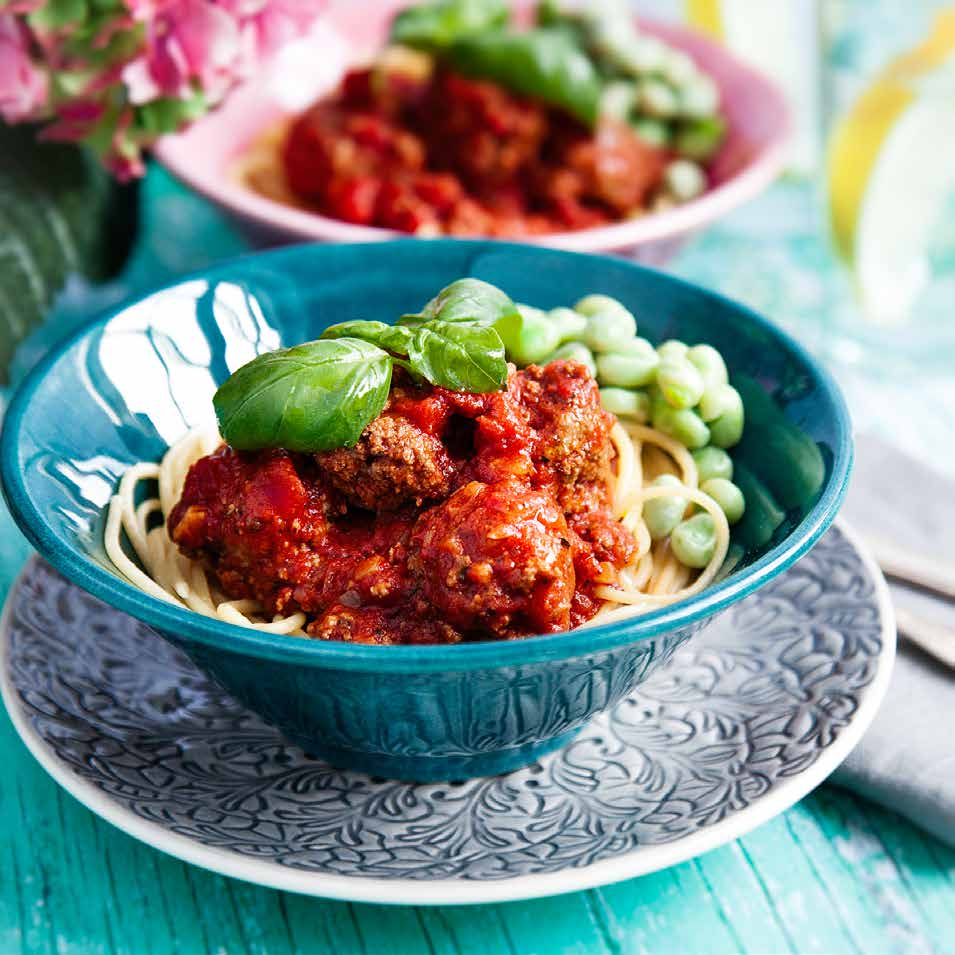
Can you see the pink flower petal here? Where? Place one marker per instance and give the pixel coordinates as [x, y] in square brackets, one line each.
[23, 86]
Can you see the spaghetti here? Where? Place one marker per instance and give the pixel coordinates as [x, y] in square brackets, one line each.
[653, 579]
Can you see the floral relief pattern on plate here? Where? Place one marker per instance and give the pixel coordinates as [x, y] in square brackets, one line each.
[750, 702]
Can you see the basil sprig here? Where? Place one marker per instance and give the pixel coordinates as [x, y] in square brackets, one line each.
[322, 395]
[472, 302]
[543, 63]
[458, 357]
[313, 397]
[436, 25]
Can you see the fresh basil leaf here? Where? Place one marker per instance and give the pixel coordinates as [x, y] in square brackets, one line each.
[313, 397]
[544, 63]
[473, 302]
[436, 25]
[393, 338]
[458, 356]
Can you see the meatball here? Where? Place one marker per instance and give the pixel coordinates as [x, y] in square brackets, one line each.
[479, 130]
[340, 159]
[496, 558]
[376, 625]
[394, 463]
[573, 430]
[255, 521]
[612, 166]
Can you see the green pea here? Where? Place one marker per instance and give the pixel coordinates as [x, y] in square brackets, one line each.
[537, 338]
[680, 423]
[680, 383]
[694, 540]
[575, 351]
[632, 365]
[624, 403]
[672, 348]
[713, 463]
[570, 324]
[684, 179]
[727, 495]
[709, 363]
[718, 400]
[662, 514]
[699, 139]
[655, 132]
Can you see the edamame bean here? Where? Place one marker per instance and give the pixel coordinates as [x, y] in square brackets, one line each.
[672, 348]
[699, 139]
[609, 324]
[632, 365]
[680, 382]
[618, 99]
[698, 97]
[709, 363]
[570, 324]
[662, 514]
[656, 98]
[722, 408]
[713, 463]
[624, 403]
[727, 429]
[678, 68]
[717, 400]
[575, 351]
[694, 540]
[643, 55]
[595, 304]
[537, 338]
[680, 423]
[727, 495]
[684, 179]
[652, 131]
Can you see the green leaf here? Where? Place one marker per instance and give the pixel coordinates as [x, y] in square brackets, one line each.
[543, 63]
[60, 213]
[458, 356]
[473, 302]
[436, 25]
[313, 397]
[392, 338]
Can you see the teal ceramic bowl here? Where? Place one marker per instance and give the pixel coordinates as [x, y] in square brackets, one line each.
[129, 383]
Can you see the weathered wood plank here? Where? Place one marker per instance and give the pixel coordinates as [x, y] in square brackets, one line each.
[674, 906]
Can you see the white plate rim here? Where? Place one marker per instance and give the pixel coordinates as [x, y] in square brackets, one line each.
[640, 861]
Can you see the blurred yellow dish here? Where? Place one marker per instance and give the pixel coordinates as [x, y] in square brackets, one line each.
[891, 163]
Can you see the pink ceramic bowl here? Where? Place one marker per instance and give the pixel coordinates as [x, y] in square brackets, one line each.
[205, 155]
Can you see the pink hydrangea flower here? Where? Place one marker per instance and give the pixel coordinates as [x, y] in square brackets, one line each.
[187, 41]
[23, 86]
[165, 50]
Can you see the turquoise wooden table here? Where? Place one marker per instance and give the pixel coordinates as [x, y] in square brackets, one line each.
[833, 874]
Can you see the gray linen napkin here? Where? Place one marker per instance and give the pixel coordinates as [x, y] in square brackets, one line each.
[906, 760]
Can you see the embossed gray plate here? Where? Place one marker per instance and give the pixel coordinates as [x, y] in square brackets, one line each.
[749, 716]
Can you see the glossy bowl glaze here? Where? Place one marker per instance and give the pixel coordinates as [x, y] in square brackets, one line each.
[204, 156]
[128, 384]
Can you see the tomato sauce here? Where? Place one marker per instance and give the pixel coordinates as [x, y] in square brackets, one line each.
[456, 517]
[443, 154]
